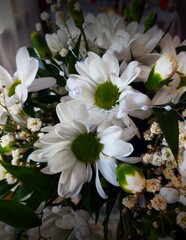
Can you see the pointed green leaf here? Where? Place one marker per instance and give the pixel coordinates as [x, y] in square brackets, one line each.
[182, 81]
[150, 21]
[168, 121]
[18, 215]
[75, 9]
[5, 188]
[73, 57]
[137, 9]
[21, 192]
[31, 178]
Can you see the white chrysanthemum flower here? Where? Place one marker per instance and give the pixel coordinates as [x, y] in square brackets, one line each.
[24, 80]
[104, 91]
[72, 148]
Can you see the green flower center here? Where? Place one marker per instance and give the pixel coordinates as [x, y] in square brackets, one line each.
[86, 148]
[107, 95]
[12, 88]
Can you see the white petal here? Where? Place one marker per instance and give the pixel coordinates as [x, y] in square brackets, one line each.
[112, 63]
[34, 156]
[118, 148]
[61, 161]
[108, 169]
[130, 73]
[129, 159]
[72, 180]
[5, 78]
[65, 110]
[92, 117]
[98, 184]
[22, 92]
[41, 83]
[110, 134]
[22, 56]
[98, 72]
[64, 223]
[46, 170]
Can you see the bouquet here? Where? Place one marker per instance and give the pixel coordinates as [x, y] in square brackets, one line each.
[93, 127]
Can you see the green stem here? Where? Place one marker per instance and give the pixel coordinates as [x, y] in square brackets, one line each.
[85, 39]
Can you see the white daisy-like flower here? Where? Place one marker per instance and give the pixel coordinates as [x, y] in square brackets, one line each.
[24, 80]
[72, 148]
[105, 91]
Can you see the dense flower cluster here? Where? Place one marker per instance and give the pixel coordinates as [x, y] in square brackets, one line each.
[95, 113]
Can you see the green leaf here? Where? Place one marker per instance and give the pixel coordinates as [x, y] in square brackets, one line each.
[5, 149]
[168, 121]
[45, 107]
[18, 215]
[20, 193]
[76, 12]
[31, 178]
[150, 21]
[5, 188]
[36, 198]
[182, 81]
[137, 9]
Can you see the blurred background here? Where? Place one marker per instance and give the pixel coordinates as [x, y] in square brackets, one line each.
[18, 20]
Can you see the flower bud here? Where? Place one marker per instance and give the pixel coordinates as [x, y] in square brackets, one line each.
[130, 178]
[40, 45]
[161, 72]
